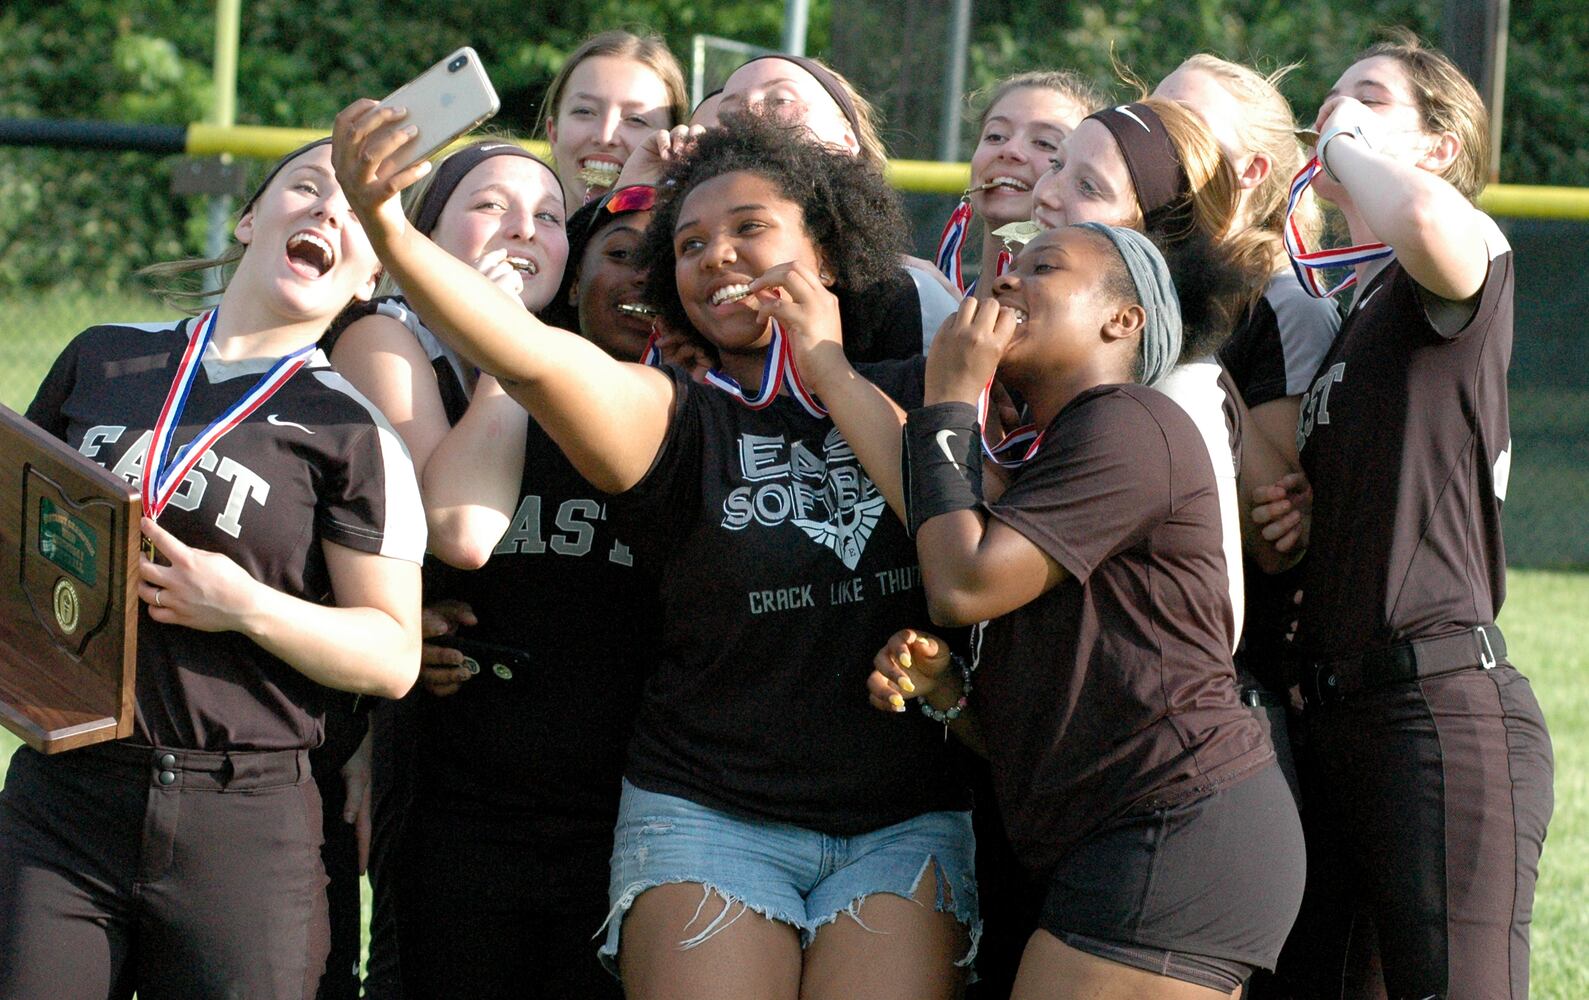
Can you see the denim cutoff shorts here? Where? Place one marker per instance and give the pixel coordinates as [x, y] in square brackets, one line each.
[787, 873]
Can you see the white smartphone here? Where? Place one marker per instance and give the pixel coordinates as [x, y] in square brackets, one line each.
[445, 101]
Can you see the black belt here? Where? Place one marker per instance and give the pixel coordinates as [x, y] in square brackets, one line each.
[1328, 681]
[1253, 697]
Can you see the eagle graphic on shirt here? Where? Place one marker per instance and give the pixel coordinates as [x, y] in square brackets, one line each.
[827, 496]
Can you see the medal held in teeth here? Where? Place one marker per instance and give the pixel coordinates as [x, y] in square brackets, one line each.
[951, 245]
[599, 173]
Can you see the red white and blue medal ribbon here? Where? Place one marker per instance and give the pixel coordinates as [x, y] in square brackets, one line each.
[1001, 263]
[791, 375]
[163, 469]
[777, 371]
[952, 243]
[1021, 443]
[651, 356]
[771, 377]
[1307, 263]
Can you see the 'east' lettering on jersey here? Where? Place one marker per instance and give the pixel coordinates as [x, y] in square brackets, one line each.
[247, 485]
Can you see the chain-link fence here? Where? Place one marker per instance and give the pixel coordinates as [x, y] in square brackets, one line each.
[1548, 497]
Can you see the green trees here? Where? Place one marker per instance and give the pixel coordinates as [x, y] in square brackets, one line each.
[89, 218]
[1546, 110]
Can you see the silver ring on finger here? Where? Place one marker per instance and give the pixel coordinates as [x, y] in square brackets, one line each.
[157, 599]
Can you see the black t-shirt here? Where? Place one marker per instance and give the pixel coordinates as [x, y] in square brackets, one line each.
[782, 572]
[884, 323]
[540, 738]
[1406, 439]
[1114, 691]
[315, 463]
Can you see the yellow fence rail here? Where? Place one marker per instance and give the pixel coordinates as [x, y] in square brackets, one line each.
[915, 176]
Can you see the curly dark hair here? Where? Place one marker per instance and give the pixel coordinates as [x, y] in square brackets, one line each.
[851, 214]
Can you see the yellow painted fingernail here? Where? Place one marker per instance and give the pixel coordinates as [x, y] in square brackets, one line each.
[906, 683]
[897, 701]
[904, 659]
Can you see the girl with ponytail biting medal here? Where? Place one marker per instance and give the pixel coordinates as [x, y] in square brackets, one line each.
[1022, 128]
[184, 861]
[752, 856]
[1432, 759]
[614, 95]
[1136, 789]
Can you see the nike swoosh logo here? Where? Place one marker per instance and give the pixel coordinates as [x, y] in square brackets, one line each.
[278, 422]
[944, 437]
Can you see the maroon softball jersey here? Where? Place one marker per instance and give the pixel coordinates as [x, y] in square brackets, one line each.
[1405, 438]
[317, 462]
[1114, 691]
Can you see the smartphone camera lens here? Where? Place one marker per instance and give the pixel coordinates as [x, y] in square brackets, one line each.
[457, 64]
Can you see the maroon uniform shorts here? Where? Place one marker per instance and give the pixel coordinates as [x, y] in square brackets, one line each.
[1203, 892]
[175, 873]
[1434, 796]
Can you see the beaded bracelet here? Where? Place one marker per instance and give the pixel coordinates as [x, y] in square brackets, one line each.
[953, 712]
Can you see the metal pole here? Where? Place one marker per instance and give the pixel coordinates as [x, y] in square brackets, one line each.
[228, 19]
[698, 70]
[954, 80]
[1475, 39]
[795, 15]
[1500, 12]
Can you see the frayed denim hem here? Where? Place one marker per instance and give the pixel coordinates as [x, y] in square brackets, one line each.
[962, 905]
[608, 952]
[946, 900]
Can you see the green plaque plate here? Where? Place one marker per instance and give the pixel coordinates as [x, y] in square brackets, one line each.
[68, 541]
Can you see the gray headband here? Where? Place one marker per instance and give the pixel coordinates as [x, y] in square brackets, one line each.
[1161, 335]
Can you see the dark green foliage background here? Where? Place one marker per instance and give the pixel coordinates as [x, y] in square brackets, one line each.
[86, 220]
[89, 219]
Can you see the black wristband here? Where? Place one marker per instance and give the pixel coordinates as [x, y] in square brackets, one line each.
[940, 462]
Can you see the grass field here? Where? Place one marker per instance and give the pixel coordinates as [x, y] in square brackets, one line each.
[1544, 612]
[34, 328]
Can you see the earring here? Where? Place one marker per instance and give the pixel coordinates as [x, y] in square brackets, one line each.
[825, 277]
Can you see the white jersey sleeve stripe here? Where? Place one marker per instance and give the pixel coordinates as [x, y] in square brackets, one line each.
[403, 532]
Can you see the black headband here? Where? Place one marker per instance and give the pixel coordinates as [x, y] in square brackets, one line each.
[830, 83]
[1156, 170]
[702, 102]
[453, 170]
[278, 168]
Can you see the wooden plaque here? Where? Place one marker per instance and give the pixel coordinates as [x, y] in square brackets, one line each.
[68, 592]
